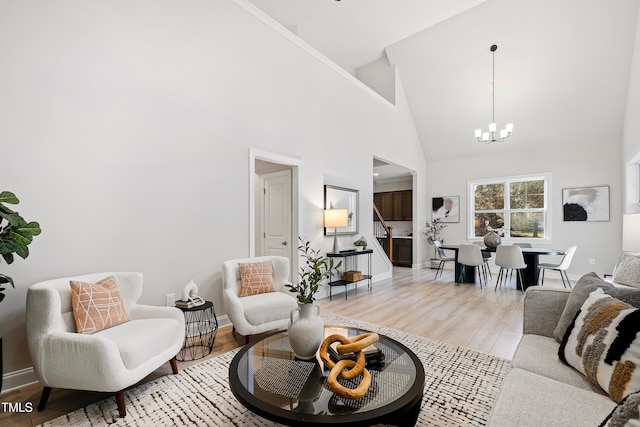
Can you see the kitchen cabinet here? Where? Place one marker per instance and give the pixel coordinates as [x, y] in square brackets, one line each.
[395, 205]
[384, 203]
[402, 252]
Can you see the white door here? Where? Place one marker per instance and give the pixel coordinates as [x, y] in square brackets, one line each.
[277, 214]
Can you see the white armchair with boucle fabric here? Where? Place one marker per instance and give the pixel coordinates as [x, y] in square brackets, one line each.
[109, 360]
[255, 314]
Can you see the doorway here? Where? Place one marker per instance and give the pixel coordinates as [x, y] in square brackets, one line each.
[274, 206]
[394, 201]
[275, 214]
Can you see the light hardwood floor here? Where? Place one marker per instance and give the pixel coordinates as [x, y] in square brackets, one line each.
[482, 319]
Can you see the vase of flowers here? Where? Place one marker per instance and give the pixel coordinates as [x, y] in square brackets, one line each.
[306, 327]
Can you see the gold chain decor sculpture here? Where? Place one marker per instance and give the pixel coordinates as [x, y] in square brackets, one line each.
[348, 369]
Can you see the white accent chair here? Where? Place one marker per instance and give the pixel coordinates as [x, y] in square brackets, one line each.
[259, 313]
[109, 360]
[470, 255]
[509, 258]
[561, 267]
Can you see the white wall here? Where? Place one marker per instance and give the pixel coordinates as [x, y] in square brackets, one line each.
[631, 134]
[380, 76]
[126, 128]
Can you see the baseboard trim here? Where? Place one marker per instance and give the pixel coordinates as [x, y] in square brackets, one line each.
[381, 276]
[17, 379]
[223, 320]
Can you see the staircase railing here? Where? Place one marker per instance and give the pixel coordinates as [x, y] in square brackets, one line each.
[382, 232]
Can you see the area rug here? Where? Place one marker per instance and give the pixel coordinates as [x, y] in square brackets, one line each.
[461, 386]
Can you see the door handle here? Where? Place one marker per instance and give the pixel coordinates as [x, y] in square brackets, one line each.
[284, 243]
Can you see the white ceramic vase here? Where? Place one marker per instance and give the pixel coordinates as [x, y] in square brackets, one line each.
[306, 331]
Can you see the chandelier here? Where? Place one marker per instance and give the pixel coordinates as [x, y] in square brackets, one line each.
[489, 137]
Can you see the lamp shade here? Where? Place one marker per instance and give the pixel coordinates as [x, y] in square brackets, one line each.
[336, 218]
[631, 233]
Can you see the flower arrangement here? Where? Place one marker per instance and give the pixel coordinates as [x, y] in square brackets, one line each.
[315, 269]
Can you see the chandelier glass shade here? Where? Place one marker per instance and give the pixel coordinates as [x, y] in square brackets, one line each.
[492, 135]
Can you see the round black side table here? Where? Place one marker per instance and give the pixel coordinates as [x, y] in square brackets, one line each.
[200, 330]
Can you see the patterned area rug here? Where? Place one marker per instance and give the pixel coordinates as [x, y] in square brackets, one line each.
[461, 386]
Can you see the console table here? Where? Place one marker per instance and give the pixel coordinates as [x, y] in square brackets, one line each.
[350, 262]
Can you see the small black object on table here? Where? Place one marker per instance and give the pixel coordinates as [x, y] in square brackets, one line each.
[200, 330]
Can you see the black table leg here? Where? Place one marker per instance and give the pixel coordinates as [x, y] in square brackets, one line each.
[531, 272]
[465, 273]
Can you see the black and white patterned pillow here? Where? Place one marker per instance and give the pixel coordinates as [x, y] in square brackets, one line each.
[602, 343]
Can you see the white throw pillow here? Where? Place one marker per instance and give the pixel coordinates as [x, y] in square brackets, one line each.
[627, 271]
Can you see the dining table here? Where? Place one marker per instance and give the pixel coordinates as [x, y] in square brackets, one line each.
[531, 259]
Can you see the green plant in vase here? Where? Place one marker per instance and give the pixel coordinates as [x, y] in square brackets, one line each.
[433, 231]
[15, 236]
[316, 268]
[361, 243]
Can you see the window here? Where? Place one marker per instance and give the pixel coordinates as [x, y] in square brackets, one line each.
[514, 207]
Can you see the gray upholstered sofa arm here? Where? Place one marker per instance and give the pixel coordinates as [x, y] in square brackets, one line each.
[542, 309]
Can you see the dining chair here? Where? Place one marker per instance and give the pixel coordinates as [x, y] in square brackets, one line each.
[509, 258]
[561, 267]
[523, 245]
[470, 255]
[442, 254]
[486, 256]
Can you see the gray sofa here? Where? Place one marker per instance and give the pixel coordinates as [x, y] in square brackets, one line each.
[540, 390]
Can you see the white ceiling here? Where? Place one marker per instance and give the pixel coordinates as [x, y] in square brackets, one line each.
[353, 33]
[386, 172]
[562, 68]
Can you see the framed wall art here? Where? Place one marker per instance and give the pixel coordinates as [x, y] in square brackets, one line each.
[585, 203]
[342, 198]
[446, 208]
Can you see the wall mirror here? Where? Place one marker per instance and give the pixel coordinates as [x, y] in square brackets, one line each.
[342, 198]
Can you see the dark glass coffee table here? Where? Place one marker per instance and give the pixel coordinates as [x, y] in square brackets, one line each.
[266, 378]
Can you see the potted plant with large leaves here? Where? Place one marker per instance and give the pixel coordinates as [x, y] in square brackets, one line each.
[15, 236]
[306, 328]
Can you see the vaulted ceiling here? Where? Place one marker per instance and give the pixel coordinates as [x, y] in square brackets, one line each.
[561, 68]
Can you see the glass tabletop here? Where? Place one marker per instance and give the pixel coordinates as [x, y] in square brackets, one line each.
[267, 378]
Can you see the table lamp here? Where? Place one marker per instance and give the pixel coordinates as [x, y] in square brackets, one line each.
[631, 232]
[336, 218]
